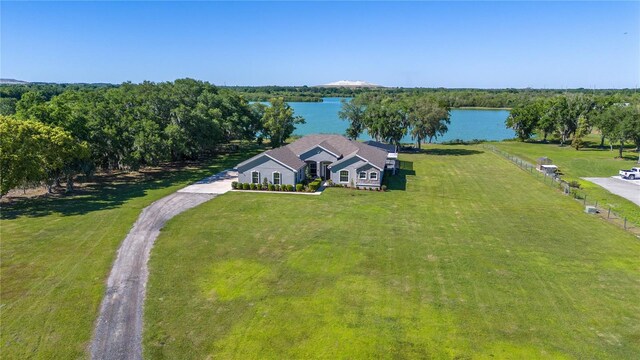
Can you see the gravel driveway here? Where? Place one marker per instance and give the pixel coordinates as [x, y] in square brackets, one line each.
[628, 189]
[118, 331]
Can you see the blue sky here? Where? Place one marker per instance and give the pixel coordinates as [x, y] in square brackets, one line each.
[426, 44]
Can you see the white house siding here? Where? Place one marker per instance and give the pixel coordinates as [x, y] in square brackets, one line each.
[266, 167]
[350, 165]
[319, 156]
[368, 168]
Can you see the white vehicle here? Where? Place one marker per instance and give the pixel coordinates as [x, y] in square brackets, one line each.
[633, 173]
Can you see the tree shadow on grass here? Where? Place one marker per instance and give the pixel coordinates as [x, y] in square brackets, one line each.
[398, 181]
[112, 193]
[450, 152]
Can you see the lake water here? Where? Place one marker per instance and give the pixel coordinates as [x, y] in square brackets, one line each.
[465, 124]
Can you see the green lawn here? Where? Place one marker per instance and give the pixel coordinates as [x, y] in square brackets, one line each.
[55, 258]
[588, 162]
[459, 261]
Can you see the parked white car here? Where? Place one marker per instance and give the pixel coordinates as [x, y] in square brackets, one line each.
[633, 173]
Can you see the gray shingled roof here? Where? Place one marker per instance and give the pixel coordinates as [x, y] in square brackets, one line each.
[384, 146]
[374, 155]
[286, 156]
[337, 144]
[327, 146]
[342, 146]
[282, 154]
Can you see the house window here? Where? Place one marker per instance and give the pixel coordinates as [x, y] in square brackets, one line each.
[255, 177]
[276, 178]
[373, 175]
[362, 175]
[344, 176]
[313, 169]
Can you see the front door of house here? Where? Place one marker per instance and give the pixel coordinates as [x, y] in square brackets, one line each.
[326, 172]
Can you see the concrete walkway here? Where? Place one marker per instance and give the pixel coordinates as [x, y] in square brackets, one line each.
[118, 331]
[628, 189]
[219, 183]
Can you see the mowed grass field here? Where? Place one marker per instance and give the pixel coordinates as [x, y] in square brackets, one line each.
[467, 257]
[588, 162]
[56, 255]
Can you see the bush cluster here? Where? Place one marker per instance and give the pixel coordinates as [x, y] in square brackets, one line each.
[574, 184]
[314, 185]
[270, 187]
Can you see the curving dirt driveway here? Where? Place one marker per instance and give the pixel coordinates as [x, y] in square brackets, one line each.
[118, 331]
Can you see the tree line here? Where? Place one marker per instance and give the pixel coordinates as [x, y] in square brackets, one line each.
[453, 98]
[573, 116]
[389, 118]
[52, 135]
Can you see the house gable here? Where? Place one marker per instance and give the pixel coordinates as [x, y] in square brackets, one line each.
[260, 159]
[266, 166]
[352, 162]
[318, 153]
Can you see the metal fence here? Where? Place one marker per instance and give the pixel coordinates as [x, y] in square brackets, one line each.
[555, 181]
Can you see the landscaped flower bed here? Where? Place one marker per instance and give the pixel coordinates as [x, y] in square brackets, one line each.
[354, 187]
[261, 187]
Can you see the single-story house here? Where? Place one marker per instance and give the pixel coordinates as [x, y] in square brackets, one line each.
[334, 157]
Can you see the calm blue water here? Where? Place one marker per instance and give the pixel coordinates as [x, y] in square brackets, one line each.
[465, 124]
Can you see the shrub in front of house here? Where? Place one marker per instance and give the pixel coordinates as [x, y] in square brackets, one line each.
[289, 187]
[234, 184]
[254, 186]
[384, 187]
[299, 187]
[246, 186]
[271, 187]
[314, 185]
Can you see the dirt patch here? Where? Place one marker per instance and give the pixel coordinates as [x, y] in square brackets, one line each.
[88, 185]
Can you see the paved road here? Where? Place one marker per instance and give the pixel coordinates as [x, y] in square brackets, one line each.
[118, 332]
[628, 189]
